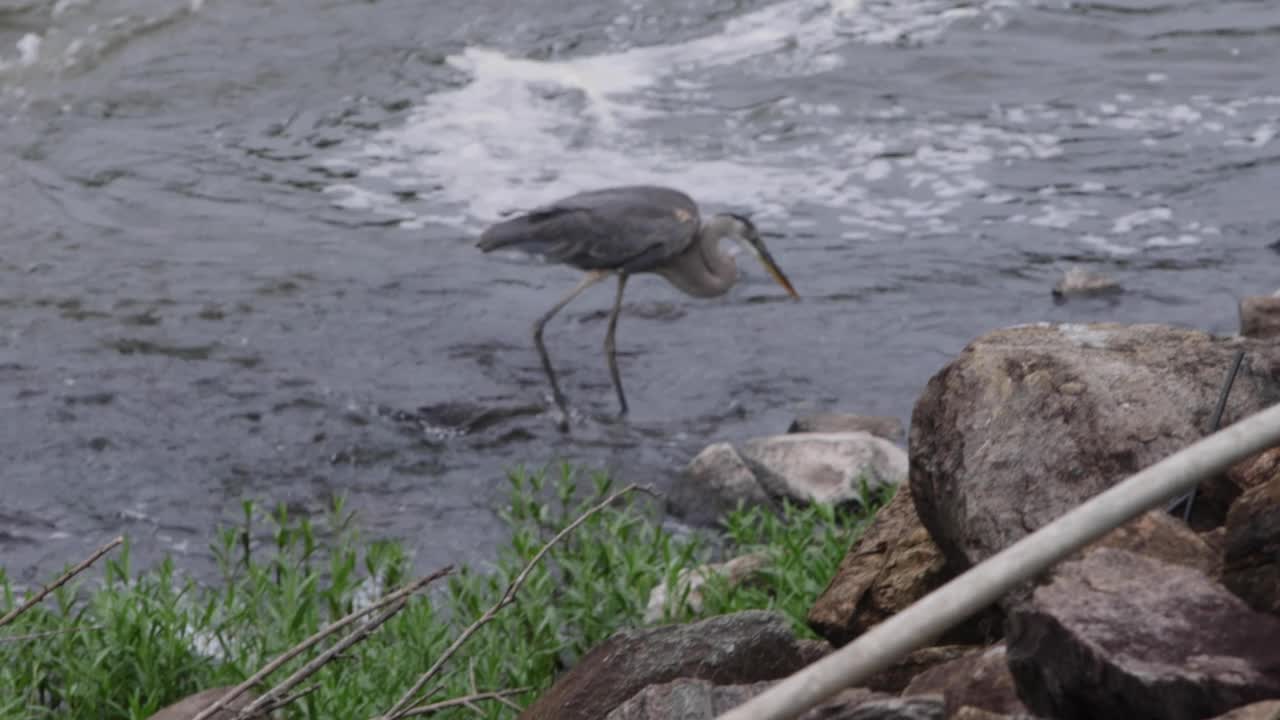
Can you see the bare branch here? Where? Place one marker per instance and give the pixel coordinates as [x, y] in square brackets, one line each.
[66, 577]
[320, 661]
[467, 702]
[333, 628]
[398, 710]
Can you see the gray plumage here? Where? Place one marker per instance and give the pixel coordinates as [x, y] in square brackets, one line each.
[623, 231]
[629, 229]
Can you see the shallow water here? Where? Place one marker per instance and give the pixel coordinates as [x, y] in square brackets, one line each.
[236, 257]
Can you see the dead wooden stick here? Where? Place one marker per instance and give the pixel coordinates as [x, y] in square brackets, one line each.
[66, 577]
[331, 629]
[398, 710]
[463, 702]
[319, 661]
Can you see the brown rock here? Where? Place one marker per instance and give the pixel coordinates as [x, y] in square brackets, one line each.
[1252, 548]
[1260, 316]
[741, 648]
[700, 700]
[980, 680]
[1268, 710]
[973, 713]
[898, 675]
[893, 564]
[1163, 537]
[883, 426]
[1117, 634]
[1255, 471]
[1030, 421]
[192, 705]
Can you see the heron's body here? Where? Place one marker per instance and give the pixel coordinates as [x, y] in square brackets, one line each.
[624, 231]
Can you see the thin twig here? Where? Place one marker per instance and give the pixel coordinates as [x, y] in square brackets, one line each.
[320, 661]
[290, 699]
[463, 702]
[50, 633]
[398, 710]
[66, 577]
[1214, 423]
[302, 647]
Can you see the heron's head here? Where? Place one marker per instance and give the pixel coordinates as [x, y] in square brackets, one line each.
[744, 231]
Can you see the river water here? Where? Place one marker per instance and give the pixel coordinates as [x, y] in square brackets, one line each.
[236, 253]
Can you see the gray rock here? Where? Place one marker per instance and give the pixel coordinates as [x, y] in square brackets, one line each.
[193, 705]
[824, 467]
[689, 583]
[1252, 547]
[1082, 282]
[1260, 316]
[1116, 634]
[715, 482]
[737, 649]
[883, 426]
[800, 467]
[1028, 422]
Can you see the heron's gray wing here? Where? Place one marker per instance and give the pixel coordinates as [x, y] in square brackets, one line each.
[631, 228]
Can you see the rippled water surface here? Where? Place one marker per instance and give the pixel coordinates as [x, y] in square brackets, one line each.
[236, 258]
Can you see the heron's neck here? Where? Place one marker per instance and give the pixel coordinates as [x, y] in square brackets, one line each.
[703, 270]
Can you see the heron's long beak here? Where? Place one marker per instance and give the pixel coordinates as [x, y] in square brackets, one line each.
[757, 246]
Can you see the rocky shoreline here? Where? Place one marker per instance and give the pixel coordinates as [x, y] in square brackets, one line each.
[1160, 619]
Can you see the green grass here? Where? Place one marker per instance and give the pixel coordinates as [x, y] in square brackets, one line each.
[135, 640]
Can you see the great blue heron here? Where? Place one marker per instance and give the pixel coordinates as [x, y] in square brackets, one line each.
[623, 231]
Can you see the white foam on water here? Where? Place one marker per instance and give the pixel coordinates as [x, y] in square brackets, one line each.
[522, 132]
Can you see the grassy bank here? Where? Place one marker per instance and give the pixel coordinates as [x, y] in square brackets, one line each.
[132, 641]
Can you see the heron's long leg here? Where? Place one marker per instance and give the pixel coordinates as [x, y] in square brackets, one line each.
[591, 279]
[610, 348]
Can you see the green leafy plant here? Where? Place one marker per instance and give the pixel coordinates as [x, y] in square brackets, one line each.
[133, 641]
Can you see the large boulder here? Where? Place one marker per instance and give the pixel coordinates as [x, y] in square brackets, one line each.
[890, 566]
[1260, 316]
[835, 468]
[1028, 422]
[979, 680]
[701, 700]
[1117, 634]
[741, 648]
[1252, 547]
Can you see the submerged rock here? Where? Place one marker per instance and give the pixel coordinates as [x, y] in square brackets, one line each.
[1082, 282]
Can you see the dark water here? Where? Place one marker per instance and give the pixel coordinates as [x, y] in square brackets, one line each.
[235, 258]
